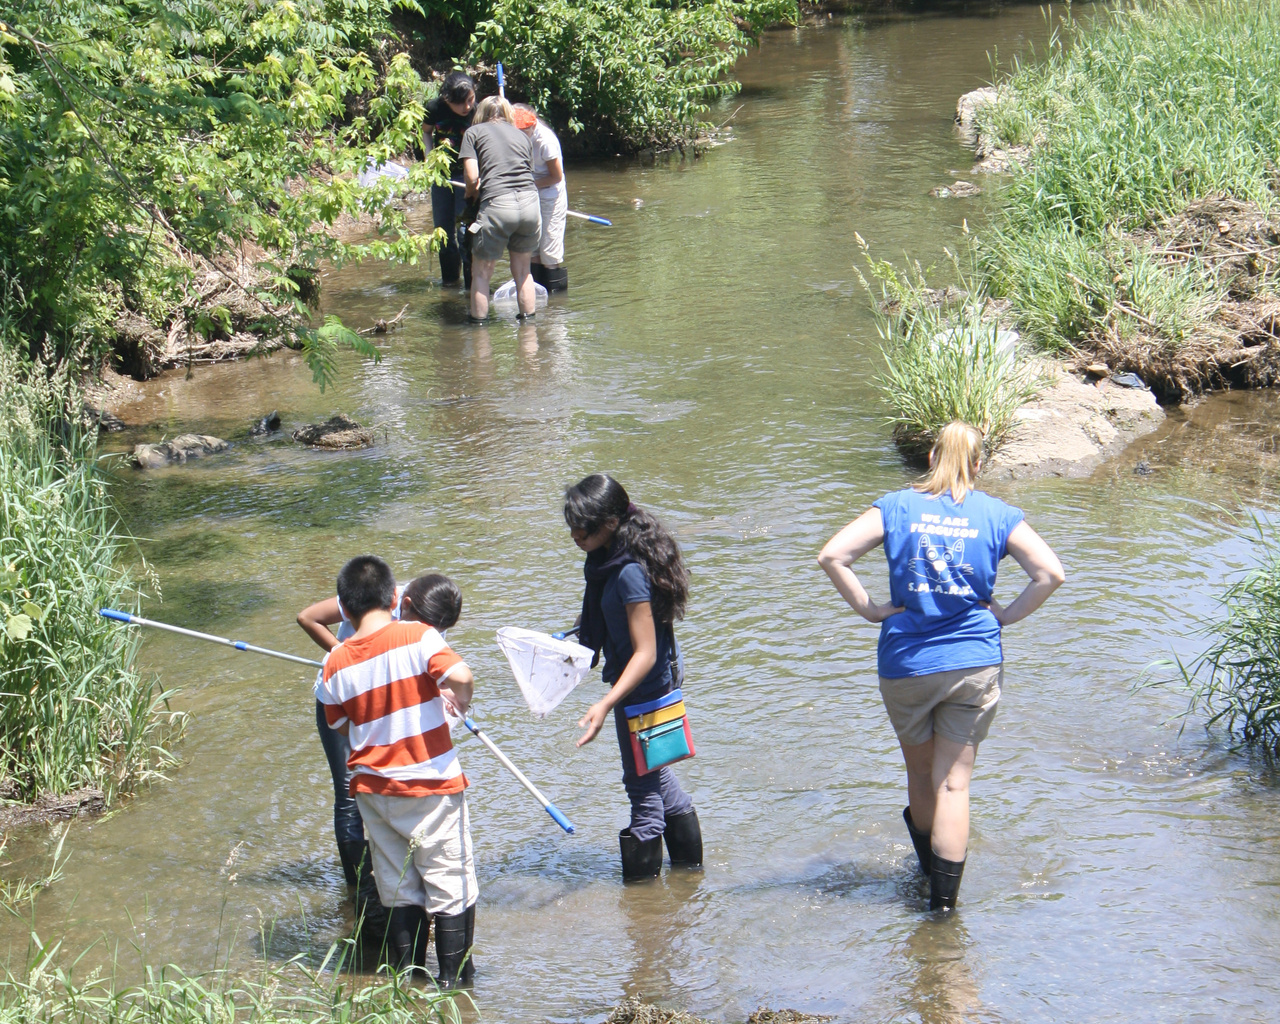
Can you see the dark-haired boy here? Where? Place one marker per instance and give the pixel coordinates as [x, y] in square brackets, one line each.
[386, 687]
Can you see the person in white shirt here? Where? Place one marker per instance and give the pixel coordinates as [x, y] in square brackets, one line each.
[548, 174]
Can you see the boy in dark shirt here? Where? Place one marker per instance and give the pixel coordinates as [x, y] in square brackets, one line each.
[448, 117]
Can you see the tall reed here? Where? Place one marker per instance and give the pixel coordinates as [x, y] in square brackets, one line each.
[1235, 681]
[74, 711]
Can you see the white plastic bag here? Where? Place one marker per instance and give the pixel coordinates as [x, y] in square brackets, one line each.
[506, 293]
[545, 668]
[372, 172]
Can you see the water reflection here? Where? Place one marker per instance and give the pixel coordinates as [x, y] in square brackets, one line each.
[939, 973]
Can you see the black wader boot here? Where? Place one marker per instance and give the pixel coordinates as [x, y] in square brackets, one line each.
[371, 915]
[640, 859]
[407, 930]
[557, 279]
[944, 883]
[454, 936]
[351, 854]
[539, 273]
[684, 840]
[920, 840]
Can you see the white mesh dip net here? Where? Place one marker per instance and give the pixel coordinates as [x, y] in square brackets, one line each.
[546, 669]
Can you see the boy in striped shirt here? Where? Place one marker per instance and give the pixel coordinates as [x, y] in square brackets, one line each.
[389, 688]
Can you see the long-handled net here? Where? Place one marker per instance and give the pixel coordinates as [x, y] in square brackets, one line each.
[546, 669]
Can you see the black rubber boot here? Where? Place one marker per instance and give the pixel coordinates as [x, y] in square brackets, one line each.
[351, 854]
[454, 936]
[407, 930]
[539, 273]
[920, 840]
[640, 859]
[557, 279]
[684, 840]
[944, 883]
[450, 268]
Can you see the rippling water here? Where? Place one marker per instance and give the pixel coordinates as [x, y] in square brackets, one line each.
[715, 353]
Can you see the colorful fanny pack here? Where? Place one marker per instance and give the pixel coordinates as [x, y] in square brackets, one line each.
[659, 732]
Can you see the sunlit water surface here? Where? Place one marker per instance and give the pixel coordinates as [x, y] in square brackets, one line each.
[715, 352]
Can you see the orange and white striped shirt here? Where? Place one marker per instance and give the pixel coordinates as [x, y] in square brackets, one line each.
[386, 688]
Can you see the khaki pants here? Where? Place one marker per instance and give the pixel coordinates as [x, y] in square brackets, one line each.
[421, 848]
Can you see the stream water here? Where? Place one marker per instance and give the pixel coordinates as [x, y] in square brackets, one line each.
[715, 353]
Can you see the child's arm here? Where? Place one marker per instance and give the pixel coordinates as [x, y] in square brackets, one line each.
[458, 689]
[316, 619]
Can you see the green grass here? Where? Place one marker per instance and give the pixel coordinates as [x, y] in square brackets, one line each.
[290, 993]
[942, 359]
[74, 711]
[1235, 681]
[1151, 106]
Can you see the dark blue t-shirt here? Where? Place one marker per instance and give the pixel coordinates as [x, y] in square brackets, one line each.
[630, 585]
[942, 563]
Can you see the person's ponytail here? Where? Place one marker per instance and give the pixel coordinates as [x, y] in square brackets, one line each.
[954, 461]
[595, 500]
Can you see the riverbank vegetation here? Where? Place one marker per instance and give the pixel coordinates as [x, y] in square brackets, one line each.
[76, 717]
[1143, 230]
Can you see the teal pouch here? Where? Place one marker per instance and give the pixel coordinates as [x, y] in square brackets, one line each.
[664, 744]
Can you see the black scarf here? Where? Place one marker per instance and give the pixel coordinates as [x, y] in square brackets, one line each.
[600, 566]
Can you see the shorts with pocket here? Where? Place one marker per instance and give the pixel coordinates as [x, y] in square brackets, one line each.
[958, 705]
[511, 221]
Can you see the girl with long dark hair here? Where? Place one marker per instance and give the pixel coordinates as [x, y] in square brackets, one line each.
[637, 588]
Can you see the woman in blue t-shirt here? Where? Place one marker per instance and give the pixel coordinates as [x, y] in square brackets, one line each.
[940, 661]
[637, 588]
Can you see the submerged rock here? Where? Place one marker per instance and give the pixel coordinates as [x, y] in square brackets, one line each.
[337, 432]
[634, 1010]
[956, 190]
[1072, 427]
[180, 449]
[106, 422]
[268, 423]
[968, 105]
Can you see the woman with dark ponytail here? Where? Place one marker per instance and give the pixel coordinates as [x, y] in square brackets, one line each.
[637, 588]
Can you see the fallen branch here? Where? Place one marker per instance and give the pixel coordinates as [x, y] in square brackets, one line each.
[382, 326]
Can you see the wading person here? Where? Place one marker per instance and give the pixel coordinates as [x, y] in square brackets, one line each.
[553, 199]
[636, 590]
[497, 163]
[432, 599]
[940, 659]
[449, 116]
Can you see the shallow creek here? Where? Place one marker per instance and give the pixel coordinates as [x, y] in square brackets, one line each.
[715, 353]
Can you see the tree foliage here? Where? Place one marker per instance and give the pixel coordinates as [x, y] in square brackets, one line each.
[140, 135]
[630, 72]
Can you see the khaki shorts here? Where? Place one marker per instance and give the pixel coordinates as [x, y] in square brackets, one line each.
[957, 705]
[421, 848]
[511, 221]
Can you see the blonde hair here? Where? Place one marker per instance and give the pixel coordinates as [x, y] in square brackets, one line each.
[954, 461]
[494, 108]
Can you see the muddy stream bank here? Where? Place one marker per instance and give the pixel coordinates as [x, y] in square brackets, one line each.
[714, 352]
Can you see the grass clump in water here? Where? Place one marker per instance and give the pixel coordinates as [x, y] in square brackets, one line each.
[75, 713]
[1149, 109]
[284, 994]
[946, 358]
[1236, 680]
